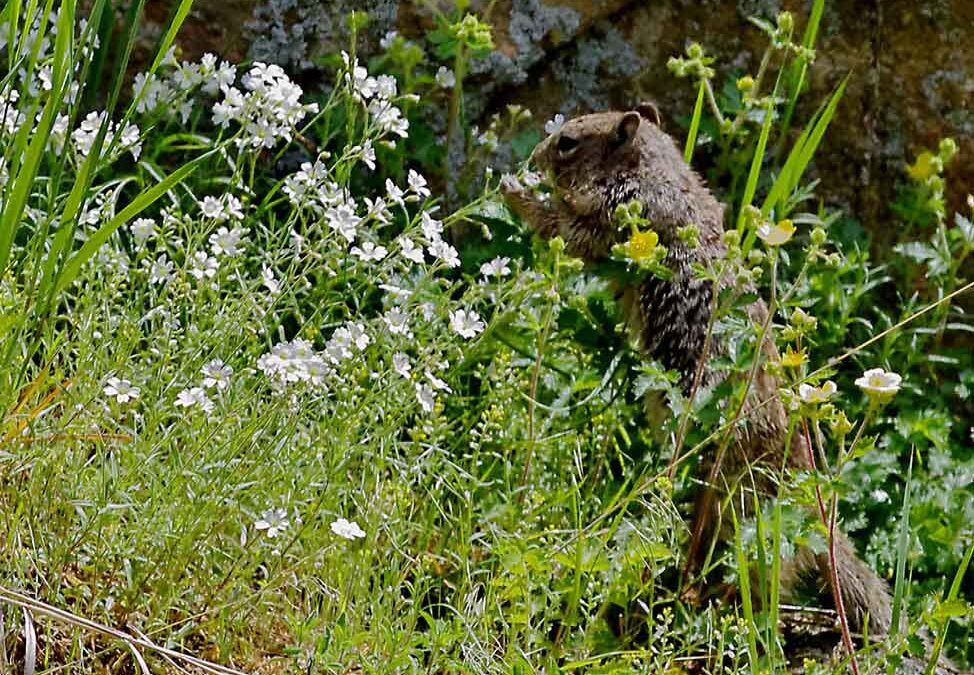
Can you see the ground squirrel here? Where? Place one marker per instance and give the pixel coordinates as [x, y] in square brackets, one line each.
[602, 160]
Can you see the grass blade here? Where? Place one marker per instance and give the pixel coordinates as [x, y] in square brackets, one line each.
[902, 549]
[13, 209]
[694, 123]
[951, 598]
[802, 152]
[752, 177]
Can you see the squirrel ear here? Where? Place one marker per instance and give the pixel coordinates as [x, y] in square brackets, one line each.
[649, 112]
[628, 126]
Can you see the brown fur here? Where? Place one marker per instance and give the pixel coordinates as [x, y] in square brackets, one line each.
[605, 159]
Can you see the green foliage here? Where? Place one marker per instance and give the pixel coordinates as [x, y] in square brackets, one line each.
[283, 377]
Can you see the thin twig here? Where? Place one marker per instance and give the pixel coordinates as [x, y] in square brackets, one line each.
[40, 607]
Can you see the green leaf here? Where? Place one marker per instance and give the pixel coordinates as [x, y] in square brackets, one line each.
[801, 154]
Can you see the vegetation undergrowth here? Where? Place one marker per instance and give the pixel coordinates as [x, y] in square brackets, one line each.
[266, 401]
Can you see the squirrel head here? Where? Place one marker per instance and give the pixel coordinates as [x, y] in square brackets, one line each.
[592, 155]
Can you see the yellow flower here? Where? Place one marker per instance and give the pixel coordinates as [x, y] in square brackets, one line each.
[923, 167]
[793, 359]
[642, 244]
[776, 235]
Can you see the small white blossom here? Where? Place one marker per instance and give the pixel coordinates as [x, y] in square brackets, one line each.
[425, 396]
[388, 39]
[466, 324]
[431, 227]
[812, 394]
[396, 195]
[121, 390]
[213, 208]
[444, 252]
[554, 125]
[347, 529]
[217, 374]
[274, 521]
[203, 265]
[343, 220]
[160, 270]
[267, 278]
[194, 397]
[143, 229]
[496, 267]
[417, 184]
[411, 251]
[445, 77]
[879, 384]
[370, 252]
[397, 321]
[400, 363]
[227, 242]
[437, 383]
[356, 331]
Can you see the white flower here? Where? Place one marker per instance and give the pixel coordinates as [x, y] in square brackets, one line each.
[217, 374]
[397, 321]
[370, 252]
[129, 140]
[388, 39]
[160, 271]
[267, 277]
[84, 136]
[417, 184]
[122, 390]
[431, 227]
[234, 207]
[358, 336]
[466, 324]
[400, 363]
[496, 267]
[879, 384]
[348, 529]
[811, 394]
[378, 209]
[143, 229]
[291, 362]
[194, 397]
[411, 251]
[343, 220]
[443, 251]
[776, 235]
[213, 208]
[274, 521]
[388, 118]
[437, 383]
[367, 154]
[552, 126]
[203, 265]
[426, 396]
[395, 193]
[227, 242]
[445, 77]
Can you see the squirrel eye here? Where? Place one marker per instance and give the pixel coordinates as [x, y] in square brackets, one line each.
[566, 144]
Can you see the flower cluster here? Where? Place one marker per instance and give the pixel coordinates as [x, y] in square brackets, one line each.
[216, 376]
[378, 94]
[84, 136]
[268, 111]
[292, 362]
